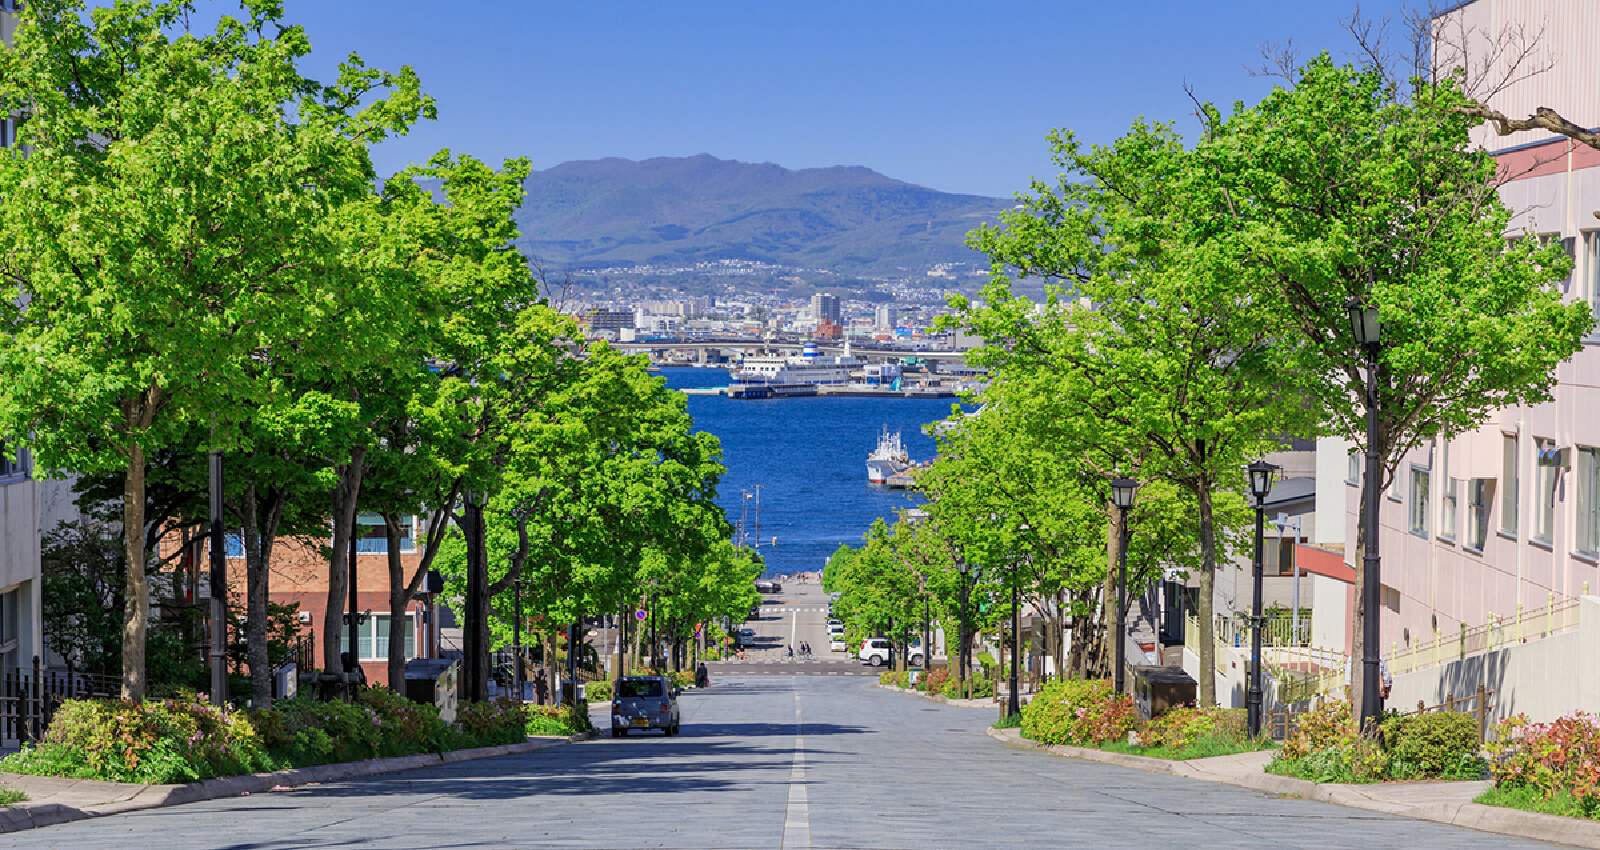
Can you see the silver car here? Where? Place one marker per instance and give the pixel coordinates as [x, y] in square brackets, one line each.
[644, 702]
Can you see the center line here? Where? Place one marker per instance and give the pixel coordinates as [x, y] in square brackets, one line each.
[797, 817]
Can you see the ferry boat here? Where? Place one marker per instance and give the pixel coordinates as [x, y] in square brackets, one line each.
[808, 368]
[890, 458]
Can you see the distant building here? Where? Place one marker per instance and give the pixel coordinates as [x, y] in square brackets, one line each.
[825, 308]
[611, 320]
[883, 317]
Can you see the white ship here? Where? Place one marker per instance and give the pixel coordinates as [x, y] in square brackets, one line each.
[772, 377]
[888, 460]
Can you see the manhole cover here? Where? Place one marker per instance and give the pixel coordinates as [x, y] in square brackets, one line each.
[930, 709]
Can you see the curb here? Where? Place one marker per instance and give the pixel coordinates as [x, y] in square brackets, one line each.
[125, 797]
[980, 702]
[1535, 825]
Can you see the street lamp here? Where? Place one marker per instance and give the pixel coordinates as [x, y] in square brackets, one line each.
[1364, 325]
[1016, 632]
[1261, 474]
[964, 569]
[1122, 493]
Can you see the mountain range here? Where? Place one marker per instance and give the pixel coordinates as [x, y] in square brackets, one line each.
[677, 211]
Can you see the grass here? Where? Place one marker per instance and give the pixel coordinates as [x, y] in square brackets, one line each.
[1532, 800]
[1206, 746]
[1010, 721]
[8, 797]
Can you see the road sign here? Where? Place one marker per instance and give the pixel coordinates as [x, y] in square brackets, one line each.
[640, 615]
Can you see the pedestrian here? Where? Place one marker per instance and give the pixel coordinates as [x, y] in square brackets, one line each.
[702, 676]
[1385, 681]
[789, 651]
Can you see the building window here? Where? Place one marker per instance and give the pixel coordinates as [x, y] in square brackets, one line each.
[1508, 492]
[1591, 269]
[1419, 501]
[1353, 476]
[1447, 497]
[1588, 514]
[1479, 492]
[12, 463]
[372, 536]
[1544, 506]
[233, 544]
[1395, 492]
[373, 636]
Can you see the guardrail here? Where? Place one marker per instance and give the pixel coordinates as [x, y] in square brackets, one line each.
[1525, 625]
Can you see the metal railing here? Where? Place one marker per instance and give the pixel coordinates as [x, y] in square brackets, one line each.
[1525, 625]
[1303, 672]
[29, 697]
[1278, 630]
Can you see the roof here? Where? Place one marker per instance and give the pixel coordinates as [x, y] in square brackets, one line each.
[1291, 490]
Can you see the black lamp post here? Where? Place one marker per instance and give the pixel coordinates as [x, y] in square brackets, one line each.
[1364, 324]
[1122, 493]
[516, 635]
[964, 569]
[1261, 474]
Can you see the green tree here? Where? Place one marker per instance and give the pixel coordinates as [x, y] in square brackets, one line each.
[1341, 187]
[1143, 347]
[179, 204]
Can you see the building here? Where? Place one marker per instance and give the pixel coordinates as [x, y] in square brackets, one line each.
[23, 514]
[1497, 531]
[825, 308]
[611, 320]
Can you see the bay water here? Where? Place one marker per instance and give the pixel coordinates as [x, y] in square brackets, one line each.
[808, 455]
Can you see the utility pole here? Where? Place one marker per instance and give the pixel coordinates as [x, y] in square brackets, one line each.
[219, 587]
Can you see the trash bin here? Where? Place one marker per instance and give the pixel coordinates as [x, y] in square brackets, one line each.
[912, 676]
[1158, 689]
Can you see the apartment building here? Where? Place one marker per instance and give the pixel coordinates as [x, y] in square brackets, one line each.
[1505, 520]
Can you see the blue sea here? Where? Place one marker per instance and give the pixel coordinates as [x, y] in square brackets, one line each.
[809, 457]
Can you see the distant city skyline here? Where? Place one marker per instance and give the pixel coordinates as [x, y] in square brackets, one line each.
[942, 94]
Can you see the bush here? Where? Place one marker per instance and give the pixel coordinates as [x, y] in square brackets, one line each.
[599, 691]
[683, 679]
[1326, 747]
[1436, 744]
[897, 678]
[934, 682]
[488, 724]
[1558, 761]
[1077, 711]
[557, 719]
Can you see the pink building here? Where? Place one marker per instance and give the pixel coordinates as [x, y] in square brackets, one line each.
[1506, 519]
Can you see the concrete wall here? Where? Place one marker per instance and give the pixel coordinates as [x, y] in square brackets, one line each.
[1543, 679]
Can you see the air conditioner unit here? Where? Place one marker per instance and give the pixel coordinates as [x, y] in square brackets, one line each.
[305, 616]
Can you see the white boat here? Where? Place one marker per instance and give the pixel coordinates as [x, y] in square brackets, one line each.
[809, 369]
[888, 460]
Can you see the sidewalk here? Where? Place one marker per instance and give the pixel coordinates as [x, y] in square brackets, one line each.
[53, 799]
[1443, 802]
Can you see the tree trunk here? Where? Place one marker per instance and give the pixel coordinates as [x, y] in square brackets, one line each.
[345, 495]
[1205, 614]
[398, 599]
[1108, 593]
[136, 594]
[256, 586]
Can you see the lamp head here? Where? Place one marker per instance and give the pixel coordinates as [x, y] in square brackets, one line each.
[1122, 492]
[1261, 475]
[1363, 321]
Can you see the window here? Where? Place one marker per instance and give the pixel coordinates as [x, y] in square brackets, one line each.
[374, 637]
[1591, 269]
[1544, 506]
[1447, 496]
[1419, 501]
[371, 535]
[1479, 496]
[1395, 494]
[1353, 476]
[12, 463]
[233, 544]
[1508, 492]
[1588, 491]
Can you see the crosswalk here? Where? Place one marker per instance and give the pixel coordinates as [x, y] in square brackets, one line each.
[783, 609]
[788, 667]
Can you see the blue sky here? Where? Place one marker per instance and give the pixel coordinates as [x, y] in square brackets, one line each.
[957, 96]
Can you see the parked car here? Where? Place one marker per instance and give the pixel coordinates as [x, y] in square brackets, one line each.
[837, 644]
[644, 702]
[769, 586]
[875, 651]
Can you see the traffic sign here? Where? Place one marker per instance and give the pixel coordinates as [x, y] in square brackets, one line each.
[640, 615]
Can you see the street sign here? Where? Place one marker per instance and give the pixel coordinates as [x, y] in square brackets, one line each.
[640, 615]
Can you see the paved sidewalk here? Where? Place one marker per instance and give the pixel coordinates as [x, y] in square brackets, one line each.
[53, 799]
[1443, 802]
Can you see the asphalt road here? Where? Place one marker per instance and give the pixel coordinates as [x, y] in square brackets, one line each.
[769, 762]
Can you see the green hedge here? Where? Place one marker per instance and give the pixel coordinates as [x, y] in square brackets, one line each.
[185, 740]
[1077, 711]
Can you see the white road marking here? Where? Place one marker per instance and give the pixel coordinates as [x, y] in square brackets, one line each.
[797, 817]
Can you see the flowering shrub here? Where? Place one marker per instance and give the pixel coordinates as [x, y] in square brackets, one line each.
[1180, 728]
[487, 724]
[934, 682]
[1077, 712]
[897, 678]
[1559, 758]
[681, 679]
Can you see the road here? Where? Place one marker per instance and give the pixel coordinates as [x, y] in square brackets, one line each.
[768, 762]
